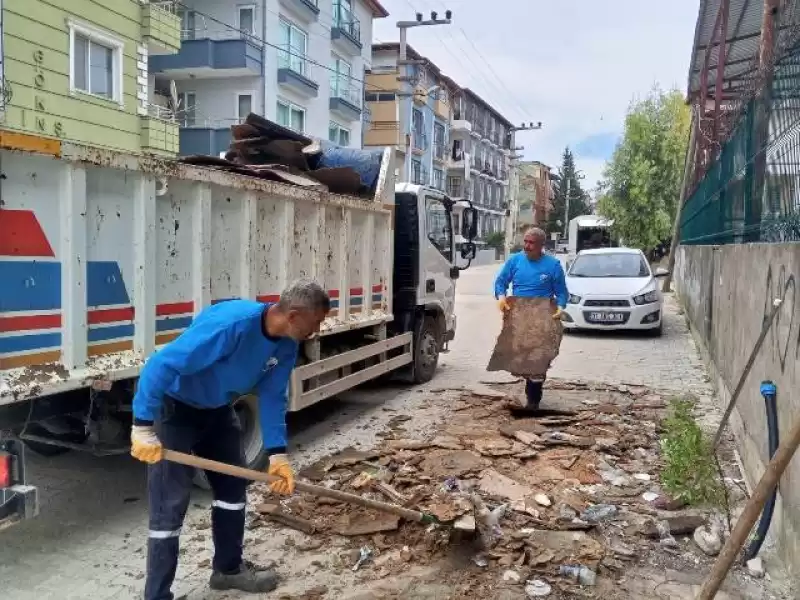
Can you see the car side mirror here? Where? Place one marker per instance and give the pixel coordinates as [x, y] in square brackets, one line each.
[469, 223]
[661, 272]
[468, 251]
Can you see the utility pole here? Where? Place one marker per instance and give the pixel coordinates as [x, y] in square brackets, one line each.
[404, 114]
[566, 207]
[513, 184]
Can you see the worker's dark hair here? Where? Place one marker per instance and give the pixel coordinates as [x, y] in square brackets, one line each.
[305, 294]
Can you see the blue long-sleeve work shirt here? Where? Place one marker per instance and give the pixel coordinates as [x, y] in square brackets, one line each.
[223, 354]
[541, 278]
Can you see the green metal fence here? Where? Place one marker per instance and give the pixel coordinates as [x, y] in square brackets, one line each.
[751, 193]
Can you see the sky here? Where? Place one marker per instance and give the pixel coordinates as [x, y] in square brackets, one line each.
[574, 65]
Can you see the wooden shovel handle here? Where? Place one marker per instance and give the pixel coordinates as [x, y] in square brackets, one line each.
[317, 490]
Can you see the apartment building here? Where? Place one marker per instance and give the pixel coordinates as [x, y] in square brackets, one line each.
[416, 124]
[77, 71]
[535, 196]
[480, 159]
[446, 136]
[300, 63]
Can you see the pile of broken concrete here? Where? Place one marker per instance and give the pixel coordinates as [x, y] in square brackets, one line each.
[577, 495]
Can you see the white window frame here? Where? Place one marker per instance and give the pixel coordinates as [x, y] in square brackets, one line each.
[339, 75]
[304, 69]
[183, 103]
[339, 129]
[236, 97]
[291, 105]
[102, 38]
[239, 9]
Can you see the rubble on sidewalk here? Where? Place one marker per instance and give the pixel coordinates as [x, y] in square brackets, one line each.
[574, 515]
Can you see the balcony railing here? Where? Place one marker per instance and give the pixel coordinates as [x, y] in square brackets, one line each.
[287, 59]
[340, 89]
[157, 111]
[346, 21]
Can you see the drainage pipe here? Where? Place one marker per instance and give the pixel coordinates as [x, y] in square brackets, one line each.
[769, 392]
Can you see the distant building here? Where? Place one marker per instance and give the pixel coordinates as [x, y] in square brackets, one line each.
[535, 196]
[446, 136]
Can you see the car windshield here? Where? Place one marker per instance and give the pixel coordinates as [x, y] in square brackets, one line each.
[610, 265]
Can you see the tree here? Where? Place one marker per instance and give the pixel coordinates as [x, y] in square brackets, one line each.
[496, 240]
[578, 198]
[641, 185]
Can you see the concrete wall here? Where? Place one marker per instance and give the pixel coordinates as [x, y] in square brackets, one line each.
[727, 291]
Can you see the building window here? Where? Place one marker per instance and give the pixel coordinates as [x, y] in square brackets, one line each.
[291, 116]
[244, 106]
[416, 172]
[342, 82]
[95, 62]
[187, 18]
[438, 179]
[294, 45]
[247, 20]
[187, 105]
[338, 134]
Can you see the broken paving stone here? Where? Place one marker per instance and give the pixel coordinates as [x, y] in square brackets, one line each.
[536, 588]
[755, 567]
[540, 558]
[708, 538]
[542, 500]
[407, 445]
[447, 442]
[526, 425]
[599, 512]
[495, 447]
[451, 463]
[642, 477]
[526, 437]
[511, 576]
[497, 484]
[465, 523]
[365, 522]
[524, 507]
[680, 525]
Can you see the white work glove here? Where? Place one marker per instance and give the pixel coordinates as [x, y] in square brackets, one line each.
[145, 445]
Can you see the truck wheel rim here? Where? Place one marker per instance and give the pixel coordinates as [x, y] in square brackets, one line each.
[428, 351]
[251, 434]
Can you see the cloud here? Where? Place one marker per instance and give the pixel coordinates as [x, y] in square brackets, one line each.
[575, 65]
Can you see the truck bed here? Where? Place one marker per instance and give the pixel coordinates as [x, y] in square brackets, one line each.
[105, 257]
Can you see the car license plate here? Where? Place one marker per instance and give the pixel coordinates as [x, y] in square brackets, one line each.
[607, 317]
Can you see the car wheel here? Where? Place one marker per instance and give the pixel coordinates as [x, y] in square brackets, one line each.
[426, 350]
[658, 331]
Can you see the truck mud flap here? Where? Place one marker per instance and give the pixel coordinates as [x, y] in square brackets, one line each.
[300, 400]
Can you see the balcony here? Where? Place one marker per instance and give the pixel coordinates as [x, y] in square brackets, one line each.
[460, 126]
[206, 54]
[210, 138]
[345, 100]
[294, 73]
[161, 28]
[159, 131]
[307, 10]
[419, 142]
[346, 29]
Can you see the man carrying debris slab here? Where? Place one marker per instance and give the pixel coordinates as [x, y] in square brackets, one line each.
[184, 401]
[532, 331]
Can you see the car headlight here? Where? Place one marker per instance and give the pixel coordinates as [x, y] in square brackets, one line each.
[573, 299]
[646, 298]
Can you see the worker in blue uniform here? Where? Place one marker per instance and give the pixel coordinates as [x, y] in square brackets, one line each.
[184, 402]
[532, 274]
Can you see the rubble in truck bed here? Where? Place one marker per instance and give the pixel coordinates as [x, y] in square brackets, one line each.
[583, 501]
[261, 148]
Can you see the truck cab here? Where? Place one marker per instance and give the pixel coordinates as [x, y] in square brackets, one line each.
[425, 270]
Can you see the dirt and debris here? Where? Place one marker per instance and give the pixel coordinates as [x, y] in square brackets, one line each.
[577, 499]
[262, 148]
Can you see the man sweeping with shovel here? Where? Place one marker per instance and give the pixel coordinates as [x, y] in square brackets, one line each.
[184, 401]
[531, 331]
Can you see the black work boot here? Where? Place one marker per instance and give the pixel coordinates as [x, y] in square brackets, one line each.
[248, 579]
[533, 396]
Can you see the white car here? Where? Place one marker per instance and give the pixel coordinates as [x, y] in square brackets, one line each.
[613, 288]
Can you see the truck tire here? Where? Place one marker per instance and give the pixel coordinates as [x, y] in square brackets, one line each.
[426, 350]
[255, 457]
[76, 437]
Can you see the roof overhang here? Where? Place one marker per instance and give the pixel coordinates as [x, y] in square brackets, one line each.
[742, 41]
